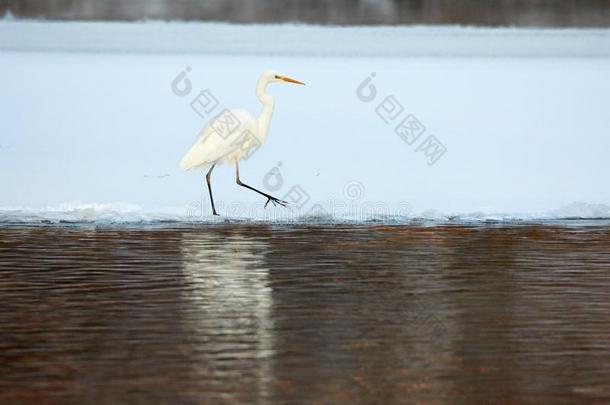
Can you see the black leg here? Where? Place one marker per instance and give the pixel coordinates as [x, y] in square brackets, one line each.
[270, 198]
[207, 178]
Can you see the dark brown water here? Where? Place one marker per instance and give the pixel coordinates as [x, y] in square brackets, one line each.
[305, 314]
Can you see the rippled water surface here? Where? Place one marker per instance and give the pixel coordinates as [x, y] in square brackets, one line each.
[305, 314]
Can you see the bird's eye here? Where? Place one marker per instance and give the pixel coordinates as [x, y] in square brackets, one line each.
[277, 77]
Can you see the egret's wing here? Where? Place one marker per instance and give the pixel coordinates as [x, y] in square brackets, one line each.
[219, 138]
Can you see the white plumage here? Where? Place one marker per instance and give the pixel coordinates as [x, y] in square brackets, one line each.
[214, 146]
[234, 135]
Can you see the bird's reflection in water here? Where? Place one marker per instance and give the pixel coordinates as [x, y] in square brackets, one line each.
[229, 304]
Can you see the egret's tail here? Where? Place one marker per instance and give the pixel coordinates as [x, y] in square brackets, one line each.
[186, 164]
[195, 158]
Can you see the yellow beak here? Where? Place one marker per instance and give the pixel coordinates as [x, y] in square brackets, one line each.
[289, 80]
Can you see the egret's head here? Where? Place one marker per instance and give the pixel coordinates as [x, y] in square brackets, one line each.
[271, 76]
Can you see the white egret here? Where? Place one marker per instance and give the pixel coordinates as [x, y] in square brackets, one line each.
[233, 135]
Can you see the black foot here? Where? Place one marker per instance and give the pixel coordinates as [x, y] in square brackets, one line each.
[275, 201]
[215, 213]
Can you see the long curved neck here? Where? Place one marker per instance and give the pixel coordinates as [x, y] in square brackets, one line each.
[268, 103]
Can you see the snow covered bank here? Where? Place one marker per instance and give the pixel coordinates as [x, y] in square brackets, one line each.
[301, 40]
[577, 214]
[368, 137]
